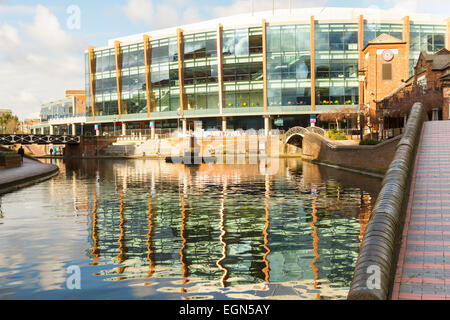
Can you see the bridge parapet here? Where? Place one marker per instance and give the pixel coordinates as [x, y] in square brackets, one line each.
[10, 139]
[376, 264]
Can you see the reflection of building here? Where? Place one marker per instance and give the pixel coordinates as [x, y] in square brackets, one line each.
[156, 220]
[267, 69]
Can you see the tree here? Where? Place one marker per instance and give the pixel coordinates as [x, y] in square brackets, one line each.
[8, 123]
[337, 115]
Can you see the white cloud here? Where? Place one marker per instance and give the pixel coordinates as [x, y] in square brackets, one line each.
[139, 10]
[161, 15]
[245, 6]
[8, 36]
[40, 61]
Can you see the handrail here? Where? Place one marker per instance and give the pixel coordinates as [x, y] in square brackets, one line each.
[376, 263]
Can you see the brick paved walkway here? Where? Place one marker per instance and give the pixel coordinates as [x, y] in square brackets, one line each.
[423, 270]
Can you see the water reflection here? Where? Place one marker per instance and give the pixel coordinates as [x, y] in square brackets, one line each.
[214, 231]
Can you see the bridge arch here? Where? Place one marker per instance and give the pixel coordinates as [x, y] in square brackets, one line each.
[295, 136]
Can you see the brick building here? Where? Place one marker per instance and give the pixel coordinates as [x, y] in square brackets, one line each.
[432, 72]
[430, 84]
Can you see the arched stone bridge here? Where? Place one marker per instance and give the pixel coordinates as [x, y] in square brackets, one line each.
[295, 135]
[9, 139]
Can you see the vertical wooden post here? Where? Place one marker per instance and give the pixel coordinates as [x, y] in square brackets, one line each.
[405, 35]
[220, 66]
[91, 78]
[264, 44]
[147, 58]
[313, 65]
[118, 77]
[360, 59]
[180, 68]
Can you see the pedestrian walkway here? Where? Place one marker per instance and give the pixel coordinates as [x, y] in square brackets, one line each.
[423, 269]
[30, 170]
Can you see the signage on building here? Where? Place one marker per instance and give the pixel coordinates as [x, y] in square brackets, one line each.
[96, 127]
[312, 119]
[151, 124]
[278, 122]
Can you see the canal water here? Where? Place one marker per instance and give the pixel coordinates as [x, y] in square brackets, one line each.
[145, 229]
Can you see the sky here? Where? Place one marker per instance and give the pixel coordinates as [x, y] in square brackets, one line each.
[42, 43]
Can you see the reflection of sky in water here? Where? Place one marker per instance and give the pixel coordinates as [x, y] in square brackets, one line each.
[147, 229]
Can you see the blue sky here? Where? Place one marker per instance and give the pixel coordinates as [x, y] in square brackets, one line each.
[42, 56]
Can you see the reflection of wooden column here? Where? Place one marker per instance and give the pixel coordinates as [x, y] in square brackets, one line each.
[91, 78]
[95, 250]
[315, 241]
[264, 52]
[266, 269]
[223, 233]
[313, 65]
[147, 57]
[118, 77]
[360, 58]
[121, 257]
[151, 263]
[220, 66]
[405, 35]
[184, 268]
[180, 46]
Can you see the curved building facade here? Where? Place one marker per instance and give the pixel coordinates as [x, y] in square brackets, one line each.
[267, 69]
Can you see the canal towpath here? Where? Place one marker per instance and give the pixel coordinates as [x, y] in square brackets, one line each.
[31, 171]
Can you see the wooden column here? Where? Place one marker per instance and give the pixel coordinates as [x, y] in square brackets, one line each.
[118, 77]
[360, 59]
[180, 68]
[313, 65]
[447, 35]
[147, 58]
[91, 78]
[264, 44]
[405, 35]
[220, 66]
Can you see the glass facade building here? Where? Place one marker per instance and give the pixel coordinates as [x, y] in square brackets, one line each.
[242, 70]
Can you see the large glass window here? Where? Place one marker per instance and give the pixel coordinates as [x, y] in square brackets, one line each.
[374, 29]
[200, 71]
[428, 38]
[288, 65]
[242, 68]
[336, 59]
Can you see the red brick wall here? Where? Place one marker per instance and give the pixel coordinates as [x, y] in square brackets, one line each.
[89, 146]
[368, 158]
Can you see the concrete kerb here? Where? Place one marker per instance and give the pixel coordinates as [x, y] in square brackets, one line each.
[380, 242]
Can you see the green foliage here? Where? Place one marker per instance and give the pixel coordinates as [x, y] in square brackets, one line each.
[336, 135]
[8, 123]
[369, 142]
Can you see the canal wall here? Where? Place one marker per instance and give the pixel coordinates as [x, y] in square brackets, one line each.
[88, 146]
[373, 158]
[375, 267]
